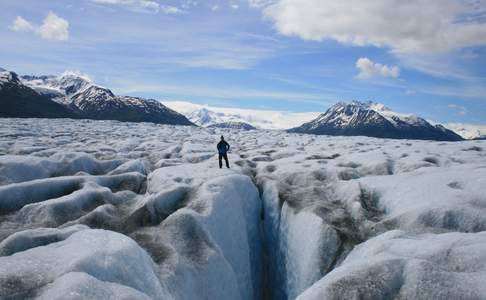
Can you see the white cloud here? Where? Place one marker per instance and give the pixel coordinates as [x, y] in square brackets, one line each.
[142, 6]
[403, 26]
[426, 35]
[21, 24]
[369, 69]
[53, 27]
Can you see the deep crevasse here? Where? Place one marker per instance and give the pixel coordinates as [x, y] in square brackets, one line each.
[214, 238]
[299, 246]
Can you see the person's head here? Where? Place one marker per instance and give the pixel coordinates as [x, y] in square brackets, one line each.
[222, 138]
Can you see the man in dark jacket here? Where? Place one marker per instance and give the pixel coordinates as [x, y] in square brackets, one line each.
[223, 148]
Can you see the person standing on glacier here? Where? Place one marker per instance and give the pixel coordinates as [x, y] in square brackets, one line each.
[223, 148]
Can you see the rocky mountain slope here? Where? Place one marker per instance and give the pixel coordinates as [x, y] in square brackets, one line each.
[77, 95]
[20, 101]
[374, 120]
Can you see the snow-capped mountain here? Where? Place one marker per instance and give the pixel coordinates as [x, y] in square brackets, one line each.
[468, 131]
[7, 77]
[88, 100]
[20, 101]
[375, 120]
[233, 125]
[204, 115]
[58, 88]
[44, 85]
[68, 83]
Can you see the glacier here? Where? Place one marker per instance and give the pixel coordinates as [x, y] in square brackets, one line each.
[114, 210]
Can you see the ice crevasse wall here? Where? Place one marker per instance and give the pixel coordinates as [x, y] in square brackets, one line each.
[210, 247]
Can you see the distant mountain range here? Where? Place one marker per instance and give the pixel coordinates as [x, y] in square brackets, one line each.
[374, 120]
[468, 131]
[74, 96]
[204, 115]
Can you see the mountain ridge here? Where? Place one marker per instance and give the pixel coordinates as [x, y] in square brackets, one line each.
[20, 101]
[84, 99]
[374, 120]
[88, 100]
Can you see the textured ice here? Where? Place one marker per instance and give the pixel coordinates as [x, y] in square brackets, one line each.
[105, 255]
[18, 168]
[310, 246]
[23, 240]
[103, 209]
[17, 195]
[77, 285]
[399, 265]
[217, 232]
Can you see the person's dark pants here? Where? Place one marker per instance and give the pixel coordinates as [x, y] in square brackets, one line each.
[225, 156]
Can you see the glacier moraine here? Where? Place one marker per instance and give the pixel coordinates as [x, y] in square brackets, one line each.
[111, 210]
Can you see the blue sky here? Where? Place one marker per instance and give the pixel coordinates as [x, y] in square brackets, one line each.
[417, 56]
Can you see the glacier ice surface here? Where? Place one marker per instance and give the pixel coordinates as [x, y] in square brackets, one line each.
[104, 209]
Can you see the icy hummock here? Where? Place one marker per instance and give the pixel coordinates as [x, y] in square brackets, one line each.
[400, 265]
[105, 255]
[111, 210]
